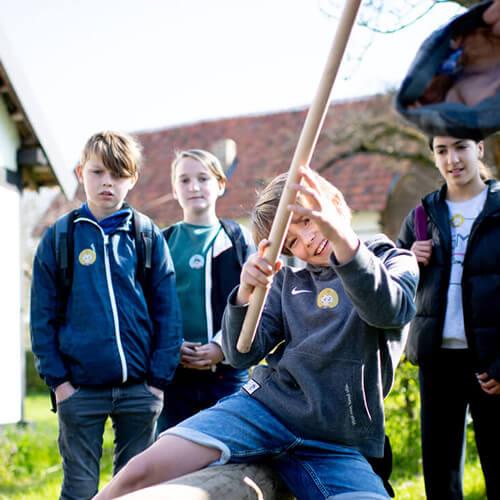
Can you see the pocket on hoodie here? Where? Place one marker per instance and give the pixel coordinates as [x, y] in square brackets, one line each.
[336, 388]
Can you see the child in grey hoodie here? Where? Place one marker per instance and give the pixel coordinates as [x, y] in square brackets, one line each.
[333, 334]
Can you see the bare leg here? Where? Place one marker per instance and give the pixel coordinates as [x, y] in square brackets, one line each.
[168, 458]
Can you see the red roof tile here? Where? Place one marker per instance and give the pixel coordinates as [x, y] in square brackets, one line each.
[265, 147]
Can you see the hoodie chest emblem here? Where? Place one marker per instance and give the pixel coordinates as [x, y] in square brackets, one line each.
[87, 257]
[327, 299]
[196, 261]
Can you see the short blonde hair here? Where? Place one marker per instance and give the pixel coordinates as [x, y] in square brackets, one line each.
[120, 153]
[208, 160]
[267, 203]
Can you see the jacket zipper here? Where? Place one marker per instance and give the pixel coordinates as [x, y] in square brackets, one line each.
[447, 259]
[208, 294]
[112, 299]
[114, 308]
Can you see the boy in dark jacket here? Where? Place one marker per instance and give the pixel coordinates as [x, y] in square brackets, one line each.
[109, 352]
[333, 334]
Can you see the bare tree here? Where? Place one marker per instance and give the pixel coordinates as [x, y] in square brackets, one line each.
[378, 131]
[390, 16]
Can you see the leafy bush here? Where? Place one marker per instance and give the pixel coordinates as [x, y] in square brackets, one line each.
[34, 384]
[403, 421]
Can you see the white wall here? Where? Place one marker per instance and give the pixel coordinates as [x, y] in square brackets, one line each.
[9, 139]
[366, 224]
[11, 345]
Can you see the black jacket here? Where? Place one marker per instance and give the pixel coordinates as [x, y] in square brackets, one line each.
[480, 282]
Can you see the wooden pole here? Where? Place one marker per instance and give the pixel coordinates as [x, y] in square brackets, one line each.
[302, 157]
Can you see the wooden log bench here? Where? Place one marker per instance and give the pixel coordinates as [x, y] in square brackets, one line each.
[222, 482]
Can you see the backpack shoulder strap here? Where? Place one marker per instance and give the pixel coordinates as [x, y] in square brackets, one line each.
[167, 232]
[143, 234]
[235, 234]
[420, 223]
[64, 249]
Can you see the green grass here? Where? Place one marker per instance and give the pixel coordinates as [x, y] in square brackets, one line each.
[30, 466]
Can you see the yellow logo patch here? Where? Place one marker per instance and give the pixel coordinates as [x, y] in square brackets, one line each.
[457, 220]
[87, 257]
[327, 298]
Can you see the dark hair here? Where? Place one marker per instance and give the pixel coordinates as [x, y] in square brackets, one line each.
[484, 171]
[477, 138]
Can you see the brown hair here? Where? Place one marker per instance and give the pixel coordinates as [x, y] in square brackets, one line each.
[120, 153]
[208, 160]
[266, 206]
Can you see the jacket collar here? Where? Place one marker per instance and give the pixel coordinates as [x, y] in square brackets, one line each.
[118, 221]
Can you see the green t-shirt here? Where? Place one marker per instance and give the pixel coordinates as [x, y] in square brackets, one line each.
[189, 245]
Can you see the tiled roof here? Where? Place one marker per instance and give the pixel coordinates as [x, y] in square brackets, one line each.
[265, 147]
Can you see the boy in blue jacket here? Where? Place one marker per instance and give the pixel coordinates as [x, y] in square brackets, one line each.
[114, 347]
[332, 334]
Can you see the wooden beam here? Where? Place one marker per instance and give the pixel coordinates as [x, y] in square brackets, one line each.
[227, 482]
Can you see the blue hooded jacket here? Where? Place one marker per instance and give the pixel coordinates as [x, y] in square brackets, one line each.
[108, 336]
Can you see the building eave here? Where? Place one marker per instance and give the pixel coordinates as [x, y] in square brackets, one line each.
[39, 158]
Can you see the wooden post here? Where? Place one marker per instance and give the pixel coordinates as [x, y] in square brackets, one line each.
[302, 157]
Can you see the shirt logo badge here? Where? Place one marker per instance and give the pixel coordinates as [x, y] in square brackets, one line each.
[196, 261]
[87, 257]
[327, 298]
[297, 292]
[457, 220]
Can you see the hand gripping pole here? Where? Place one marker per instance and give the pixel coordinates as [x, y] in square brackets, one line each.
[302, 156]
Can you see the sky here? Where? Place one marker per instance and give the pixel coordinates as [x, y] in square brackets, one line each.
[137, 65]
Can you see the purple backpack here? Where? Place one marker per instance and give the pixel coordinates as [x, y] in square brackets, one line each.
[420, 223]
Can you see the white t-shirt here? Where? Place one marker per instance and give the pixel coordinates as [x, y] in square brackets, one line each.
[462, 216]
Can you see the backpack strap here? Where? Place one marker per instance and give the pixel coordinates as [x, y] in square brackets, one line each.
[235, 234]
[167, 232]
[64, 250]
[420, 223]
[143, 234]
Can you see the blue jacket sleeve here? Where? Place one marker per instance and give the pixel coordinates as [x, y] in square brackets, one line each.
[165, 314]
[43, 314]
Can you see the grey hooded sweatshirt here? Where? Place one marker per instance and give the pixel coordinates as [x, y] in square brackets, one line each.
[333, 337]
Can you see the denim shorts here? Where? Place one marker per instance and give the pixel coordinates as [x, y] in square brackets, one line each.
[244, 430]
